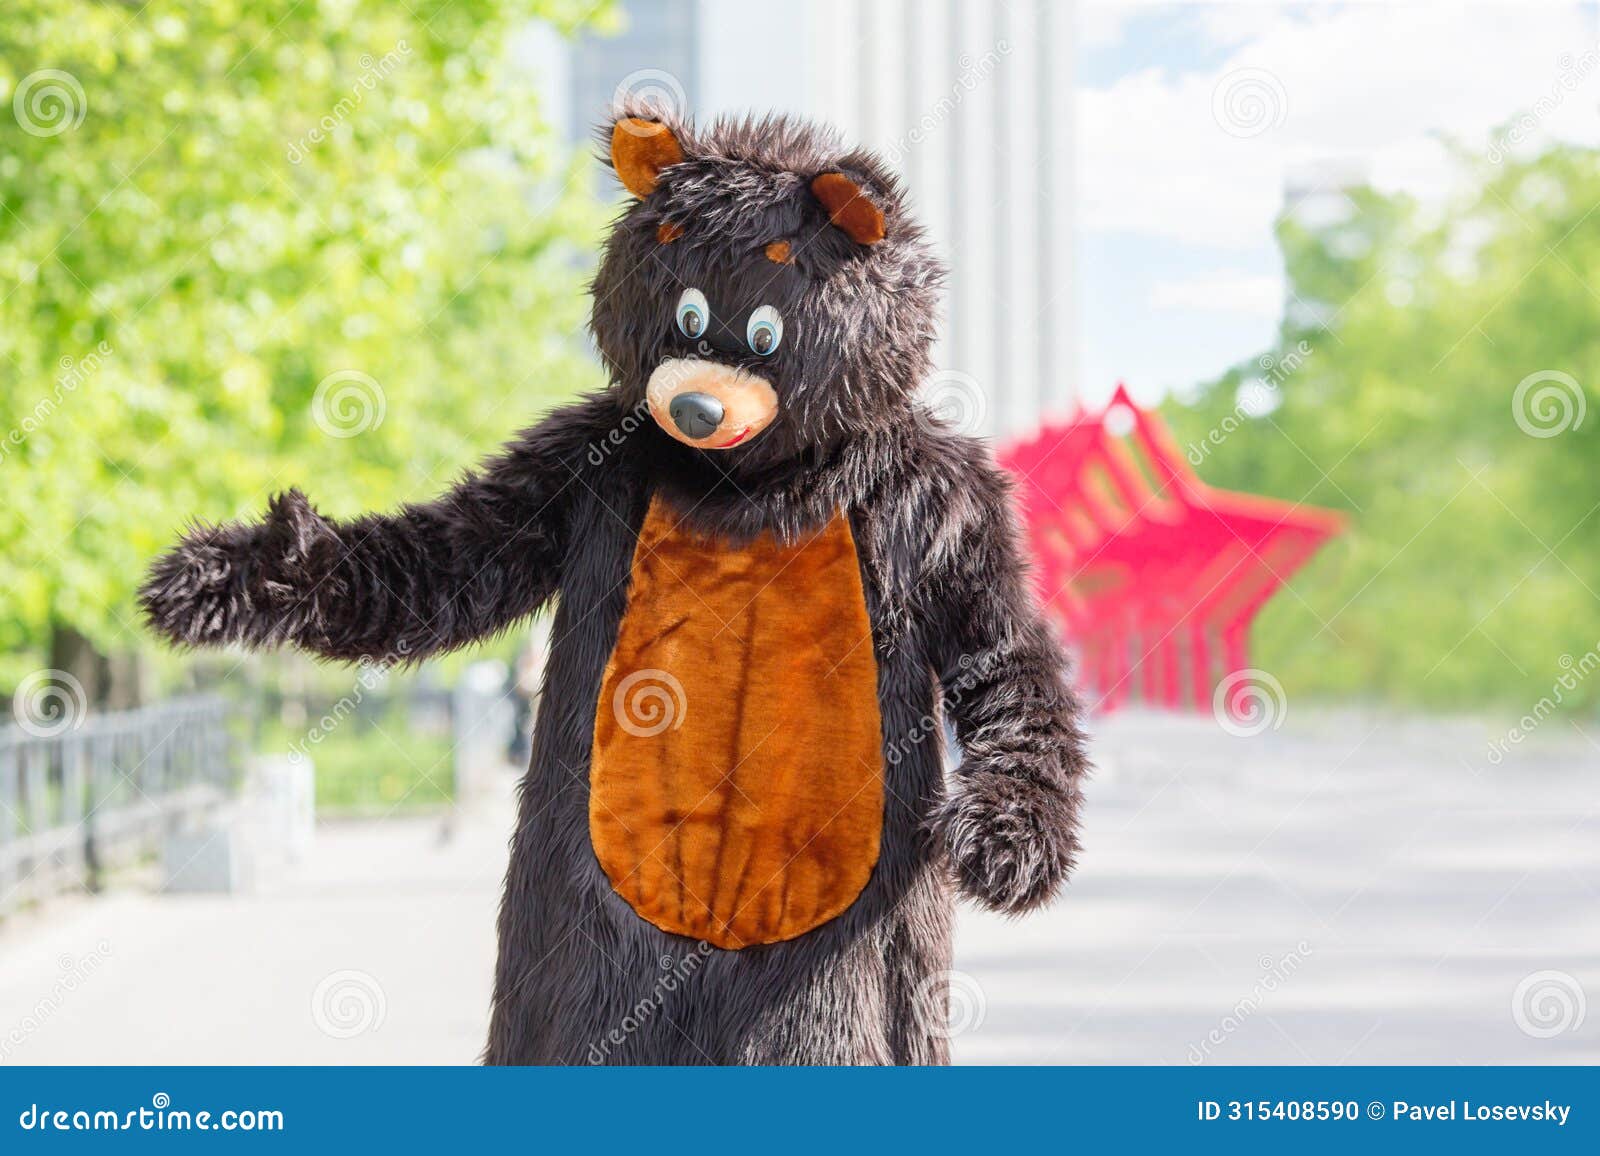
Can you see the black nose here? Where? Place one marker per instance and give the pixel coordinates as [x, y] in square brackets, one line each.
[697, 414]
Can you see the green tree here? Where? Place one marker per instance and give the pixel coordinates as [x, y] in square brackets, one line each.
[1436, 379]
[246, 244]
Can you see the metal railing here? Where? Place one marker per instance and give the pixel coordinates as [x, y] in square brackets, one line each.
[105, 789]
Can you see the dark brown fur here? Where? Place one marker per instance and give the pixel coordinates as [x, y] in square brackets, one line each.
[581, 978]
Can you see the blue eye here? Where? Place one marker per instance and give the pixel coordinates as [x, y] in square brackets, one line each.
[765, 332]
[694, 315]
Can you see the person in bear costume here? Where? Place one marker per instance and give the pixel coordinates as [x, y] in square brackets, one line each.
[777, 576]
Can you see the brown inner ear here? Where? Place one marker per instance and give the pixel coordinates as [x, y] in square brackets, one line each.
[849, 208]
[640, 149]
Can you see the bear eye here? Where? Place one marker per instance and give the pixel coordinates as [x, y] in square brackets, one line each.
[694, 315]
[765, 331]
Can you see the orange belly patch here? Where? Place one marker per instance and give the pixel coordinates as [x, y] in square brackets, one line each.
[736, 787]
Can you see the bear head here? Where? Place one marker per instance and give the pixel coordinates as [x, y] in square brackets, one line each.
[766, 295]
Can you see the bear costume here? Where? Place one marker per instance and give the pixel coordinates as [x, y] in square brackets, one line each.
[777, 575]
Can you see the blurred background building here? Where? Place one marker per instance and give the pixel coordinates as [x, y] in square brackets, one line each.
[968, 101]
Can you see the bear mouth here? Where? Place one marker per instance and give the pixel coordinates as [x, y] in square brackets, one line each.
[708, 405]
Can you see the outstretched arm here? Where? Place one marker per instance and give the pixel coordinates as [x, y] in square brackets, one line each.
[391, 587]
[1009, 819]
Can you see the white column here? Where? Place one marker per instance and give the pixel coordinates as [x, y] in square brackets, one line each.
[886, 50]
[1019, 325]
[926, 142]
[1058, 210]
[975, 174]
[838, 61]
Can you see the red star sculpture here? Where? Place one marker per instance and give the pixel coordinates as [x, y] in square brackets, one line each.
[1153, 576]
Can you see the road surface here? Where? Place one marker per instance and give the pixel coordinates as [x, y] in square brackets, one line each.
[1342, 889]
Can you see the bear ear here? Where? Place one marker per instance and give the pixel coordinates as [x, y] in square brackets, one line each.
[640, 149]
[849, 207]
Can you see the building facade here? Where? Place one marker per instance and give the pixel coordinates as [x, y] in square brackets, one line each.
[971, 100]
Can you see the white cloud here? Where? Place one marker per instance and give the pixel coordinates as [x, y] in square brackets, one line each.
[1371, 85]
[1100, 25]
[1226, 291]
[1234, 24]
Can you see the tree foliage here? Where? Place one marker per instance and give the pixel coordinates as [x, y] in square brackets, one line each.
[1445, 397]
[211, 208]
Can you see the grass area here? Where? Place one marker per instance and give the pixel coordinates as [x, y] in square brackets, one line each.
[372, 769]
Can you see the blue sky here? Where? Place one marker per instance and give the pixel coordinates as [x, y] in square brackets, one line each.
[1165, 36]
[1180, 185]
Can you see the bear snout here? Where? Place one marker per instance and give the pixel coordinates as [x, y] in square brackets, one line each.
[709, 405]
[697, 415]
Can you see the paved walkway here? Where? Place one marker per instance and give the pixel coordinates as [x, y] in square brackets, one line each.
[1341, 890]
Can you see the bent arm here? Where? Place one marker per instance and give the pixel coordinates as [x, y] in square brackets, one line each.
[1009, 821]
[393, 587]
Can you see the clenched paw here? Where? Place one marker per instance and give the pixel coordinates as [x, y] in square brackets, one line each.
[225, 583]
[1011, 840]
[192, 592]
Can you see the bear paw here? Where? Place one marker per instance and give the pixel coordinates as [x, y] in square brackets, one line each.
[239, 582]
[1011, 840]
